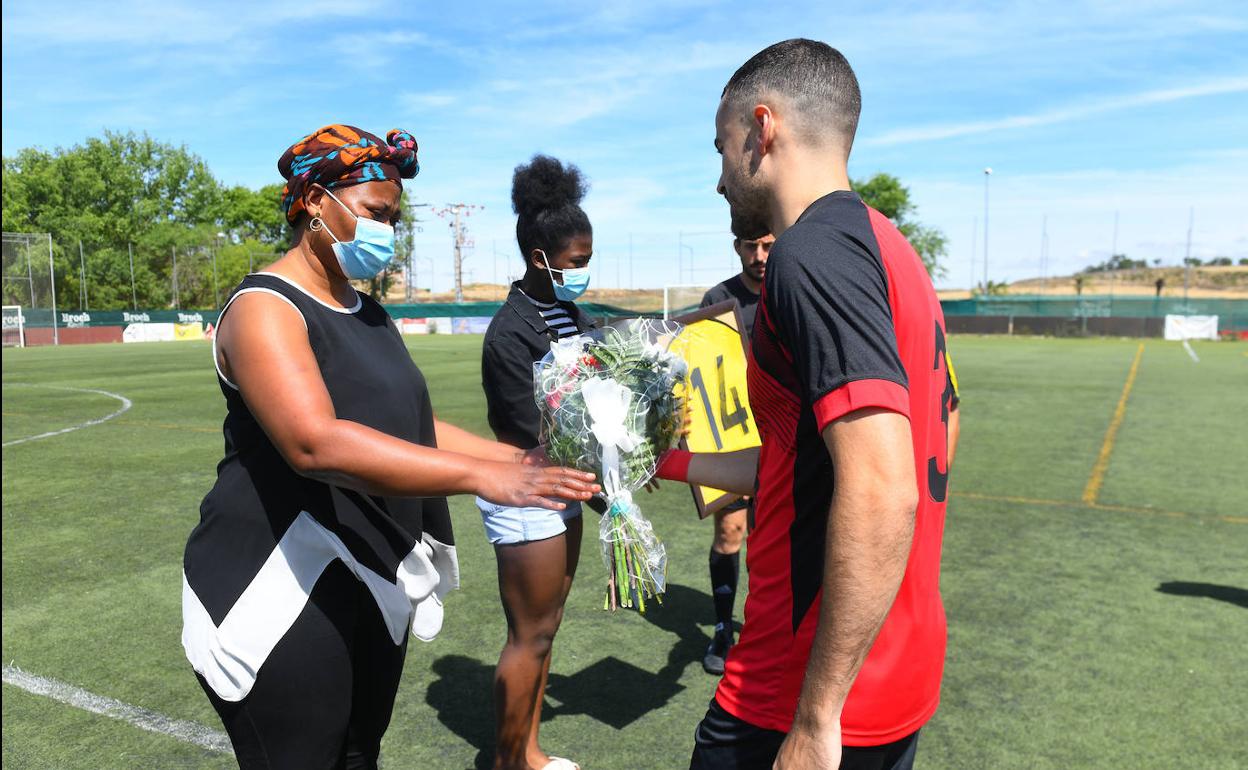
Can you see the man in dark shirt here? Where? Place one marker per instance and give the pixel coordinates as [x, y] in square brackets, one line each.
[730, 522]
[745, 286]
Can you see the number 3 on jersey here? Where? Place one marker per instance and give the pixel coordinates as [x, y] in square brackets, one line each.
[937, 480]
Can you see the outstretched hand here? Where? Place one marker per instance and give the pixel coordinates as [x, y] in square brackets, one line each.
[536, 457]
[525, 485]
[652, 485]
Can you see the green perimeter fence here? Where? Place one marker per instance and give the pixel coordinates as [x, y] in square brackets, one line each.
[1099, 306]
[1088, 315]
[1017, 314]
[41, 318]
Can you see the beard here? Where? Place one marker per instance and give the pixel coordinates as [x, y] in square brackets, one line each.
[751, 216]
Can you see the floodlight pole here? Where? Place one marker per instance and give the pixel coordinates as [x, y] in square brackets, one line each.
[174, 251]
[410, 273]
[82, 273]
[134, 295]
[56, 336]
[1044, 253]
[1187, 259]
[457, 212]
[459, 255]
[987, 174]
[1113, 254]
[974, 248]
[30, 271]
[216, 293]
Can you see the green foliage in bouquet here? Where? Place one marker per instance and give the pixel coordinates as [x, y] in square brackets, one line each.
[634, 383]
[655, 413]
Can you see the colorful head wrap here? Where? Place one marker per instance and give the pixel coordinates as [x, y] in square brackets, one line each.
[341, 156]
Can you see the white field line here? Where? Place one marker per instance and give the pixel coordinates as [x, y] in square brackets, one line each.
[190, 732]
[1187, 346]
[125, 406]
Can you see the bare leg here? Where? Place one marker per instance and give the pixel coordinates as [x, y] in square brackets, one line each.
[572, 540]
[533, 582]
[729, 531]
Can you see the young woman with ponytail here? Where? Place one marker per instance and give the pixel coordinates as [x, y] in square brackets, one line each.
[536, 547]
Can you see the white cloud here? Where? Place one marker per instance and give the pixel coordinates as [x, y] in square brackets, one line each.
[164, 24]
[1057, 115]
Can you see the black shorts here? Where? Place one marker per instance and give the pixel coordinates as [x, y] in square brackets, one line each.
[742, 504]
[724, 742]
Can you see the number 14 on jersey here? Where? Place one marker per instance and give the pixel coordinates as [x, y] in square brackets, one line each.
[719, 407]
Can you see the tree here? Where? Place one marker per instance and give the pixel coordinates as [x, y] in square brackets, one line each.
[1116, 262]
[404, 248]
[886, 194]
[255, 214]
[994, 288]
[109, 192]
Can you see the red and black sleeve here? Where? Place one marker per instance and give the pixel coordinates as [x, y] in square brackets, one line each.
[827, 299]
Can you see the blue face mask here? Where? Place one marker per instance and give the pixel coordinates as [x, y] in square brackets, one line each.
[575, 281]
[369, 252]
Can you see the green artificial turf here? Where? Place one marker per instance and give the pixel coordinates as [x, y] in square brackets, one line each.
[1079, 636]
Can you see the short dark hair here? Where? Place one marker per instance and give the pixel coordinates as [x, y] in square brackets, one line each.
[546, 196]
[813, 77]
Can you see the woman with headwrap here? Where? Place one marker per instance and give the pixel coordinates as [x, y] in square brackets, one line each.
[327, 534]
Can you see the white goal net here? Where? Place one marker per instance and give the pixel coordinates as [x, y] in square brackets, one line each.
[14, 327]
[29, 291]
[679, 299]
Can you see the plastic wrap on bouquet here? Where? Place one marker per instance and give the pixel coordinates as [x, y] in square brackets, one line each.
[611, 402]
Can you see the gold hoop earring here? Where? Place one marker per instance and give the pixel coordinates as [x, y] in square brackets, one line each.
[316, 224]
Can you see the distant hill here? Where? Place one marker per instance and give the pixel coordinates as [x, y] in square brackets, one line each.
[1218, 282]
[641, 300]
[1223, 282]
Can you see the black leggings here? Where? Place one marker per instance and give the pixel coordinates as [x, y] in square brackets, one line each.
[324, 695]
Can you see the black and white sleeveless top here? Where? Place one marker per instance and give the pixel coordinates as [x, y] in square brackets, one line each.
[266, 533]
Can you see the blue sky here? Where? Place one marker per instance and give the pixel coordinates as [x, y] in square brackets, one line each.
[1082, 110]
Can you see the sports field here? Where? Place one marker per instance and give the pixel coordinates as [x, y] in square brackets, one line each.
[1098, 611]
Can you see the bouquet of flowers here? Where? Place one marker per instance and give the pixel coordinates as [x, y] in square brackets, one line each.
[611, 402]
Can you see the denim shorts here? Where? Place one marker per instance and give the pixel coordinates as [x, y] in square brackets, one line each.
[507, 525]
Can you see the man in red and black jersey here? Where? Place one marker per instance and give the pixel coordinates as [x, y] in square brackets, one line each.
[840, 658]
